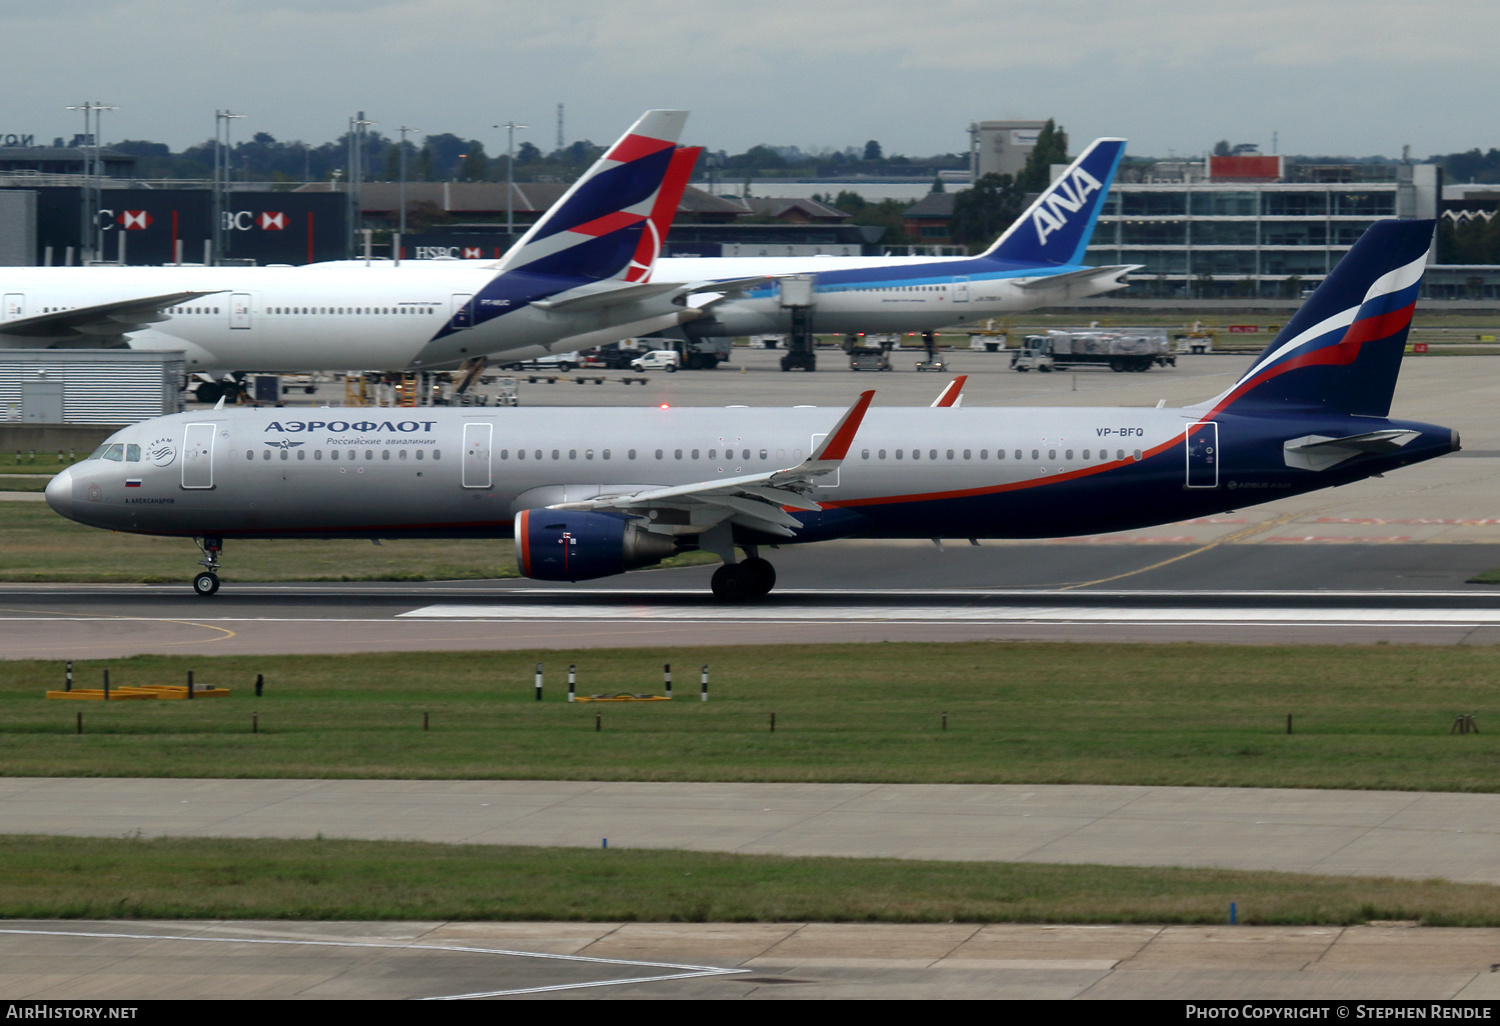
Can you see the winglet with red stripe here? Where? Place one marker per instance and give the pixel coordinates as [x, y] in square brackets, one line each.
[950, 395]
[836, 446]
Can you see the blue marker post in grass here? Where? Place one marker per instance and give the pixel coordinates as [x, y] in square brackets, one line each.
[1231, 913]
[604, 843]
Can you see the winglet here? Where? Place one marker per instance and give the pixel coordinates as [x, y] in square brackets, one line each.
[949, 395]
[836, 446]
[220, 404]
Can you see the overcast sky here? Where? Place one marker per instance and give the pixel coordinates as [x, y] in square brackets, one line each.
[1330, 76]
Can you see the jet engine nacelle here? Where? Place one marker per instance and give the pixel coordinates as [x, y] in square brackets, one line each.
[565, 545]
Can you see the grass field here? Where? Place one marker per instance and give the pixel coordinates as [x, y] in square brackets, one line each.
[90, 878]
[39, 545]
[1364, 717]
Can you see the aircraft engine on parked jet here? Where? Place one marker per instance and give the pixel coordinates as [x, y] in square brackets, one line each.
[566, 545]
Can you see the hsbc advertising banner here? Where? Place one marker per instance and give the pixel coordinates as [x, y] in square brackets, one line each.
[474, 246]
[267, 227]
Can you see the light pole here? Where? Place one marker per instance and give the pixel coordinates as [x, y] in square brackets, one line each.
[91, 235]
[510, 165]
[223, 122]
[403, 130]
[357, 126]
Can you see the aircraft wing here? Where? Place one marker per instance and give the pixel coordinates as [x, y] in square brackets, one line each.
[755, 501]
[92, 325]
[1065, 282]
[609, 294]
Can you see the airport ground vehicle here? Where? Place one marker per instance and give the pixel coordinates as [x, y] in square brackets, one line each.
[657, 359]
[563, 362]
[592, 493]
[1119, 351]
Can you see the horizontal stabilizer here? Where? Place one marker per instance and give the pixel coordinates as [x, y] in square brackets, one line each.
[1319, 452]
[1062, 282]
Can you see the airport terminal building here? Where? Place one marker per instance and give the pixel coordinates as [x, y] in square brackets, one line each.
[1249, 226]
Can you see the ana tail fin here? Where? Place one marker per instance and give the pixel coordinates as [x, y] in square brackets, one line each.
[1342, 350]
[1056, 228]
[595, 231]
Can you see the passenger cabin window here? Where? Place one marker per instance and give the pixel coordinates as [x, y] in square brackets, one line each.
[266, 455]
[302, 454]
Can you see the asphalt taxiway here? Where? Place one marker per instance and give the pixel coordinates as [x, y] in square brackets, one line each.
[143, 960]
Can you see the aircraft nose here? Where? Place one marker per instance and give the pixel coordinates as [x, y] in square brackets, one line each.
[60, 493]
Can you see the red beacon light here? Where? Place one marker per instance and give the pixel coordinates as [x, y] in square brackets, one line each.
[664, 406]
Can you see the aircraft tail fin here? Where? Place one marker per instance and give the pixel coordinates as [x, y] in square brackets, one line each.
[1057, 227]
[1342, 350]
[595, 232]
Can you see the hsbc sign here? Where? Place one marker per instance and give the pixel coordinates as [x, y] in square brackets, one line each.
[135, 220]
[249, 220]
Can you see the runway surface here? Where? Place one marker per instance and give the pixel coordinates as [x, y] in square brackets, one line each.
[137, 960]
[672, 608]
[1359, 833]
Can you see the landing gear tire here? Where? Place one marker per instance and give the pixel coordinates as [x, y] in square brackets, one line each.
[763, 573]
[205, 584]
[734, 582]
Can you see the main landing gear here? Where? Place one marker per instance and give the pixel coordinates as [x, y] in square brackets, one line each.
[207, 582]
[748, 579]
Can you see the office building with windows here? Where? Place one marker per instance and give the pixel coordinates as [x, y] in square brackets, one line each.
[1249, 227]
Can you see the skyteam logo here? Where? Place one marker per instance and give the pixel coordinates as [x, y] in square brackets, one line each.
[1067, 197]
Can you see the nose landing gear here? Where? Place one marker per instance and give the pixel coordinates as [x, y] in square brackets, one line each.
[207, 582]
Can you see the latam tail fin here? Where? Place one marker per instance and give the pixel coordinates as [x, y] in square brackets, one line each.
[1057, 227]
[1342, 350]
[663, 210]
[595, 232]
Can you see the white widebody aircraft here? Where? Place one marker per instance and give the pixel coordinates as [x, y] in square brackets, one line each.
[587, 493]
[578, 275]
[588, 273]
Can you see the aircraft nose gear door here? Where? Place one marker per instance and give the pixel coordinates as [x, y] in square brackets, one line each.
[1203, 455]
[198, 456]
[477, 454]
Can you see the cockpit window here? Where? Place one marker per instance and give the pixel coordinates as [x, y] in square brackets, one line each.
[98, 454]
[132, 453]
[115, 451]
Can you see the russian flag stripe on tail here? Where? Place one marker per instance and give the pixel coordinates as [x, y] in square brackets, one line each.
[1343, 349]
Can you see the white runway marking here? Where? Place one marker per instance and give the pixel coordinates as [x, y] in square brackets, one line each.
[689, 971]
[1299, 616]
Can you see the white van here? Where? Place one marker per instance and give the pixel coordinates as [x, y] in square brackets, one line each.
[658, 359]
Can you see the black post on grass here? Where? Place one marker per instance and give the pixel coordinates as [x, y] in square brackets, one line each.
[260, 684]
[704, 683]
[598, 721]
[190, 683]
[106, 685]
[945, 722]
[80, 721]
[572, 679]
[538, 682]
[1288, 723]
[666, 676]
[255, 722]
[68, 678]
[773, 723]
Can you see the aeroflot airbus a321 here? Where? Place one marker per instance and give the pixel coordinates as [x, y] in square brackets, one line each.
[590, 493]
